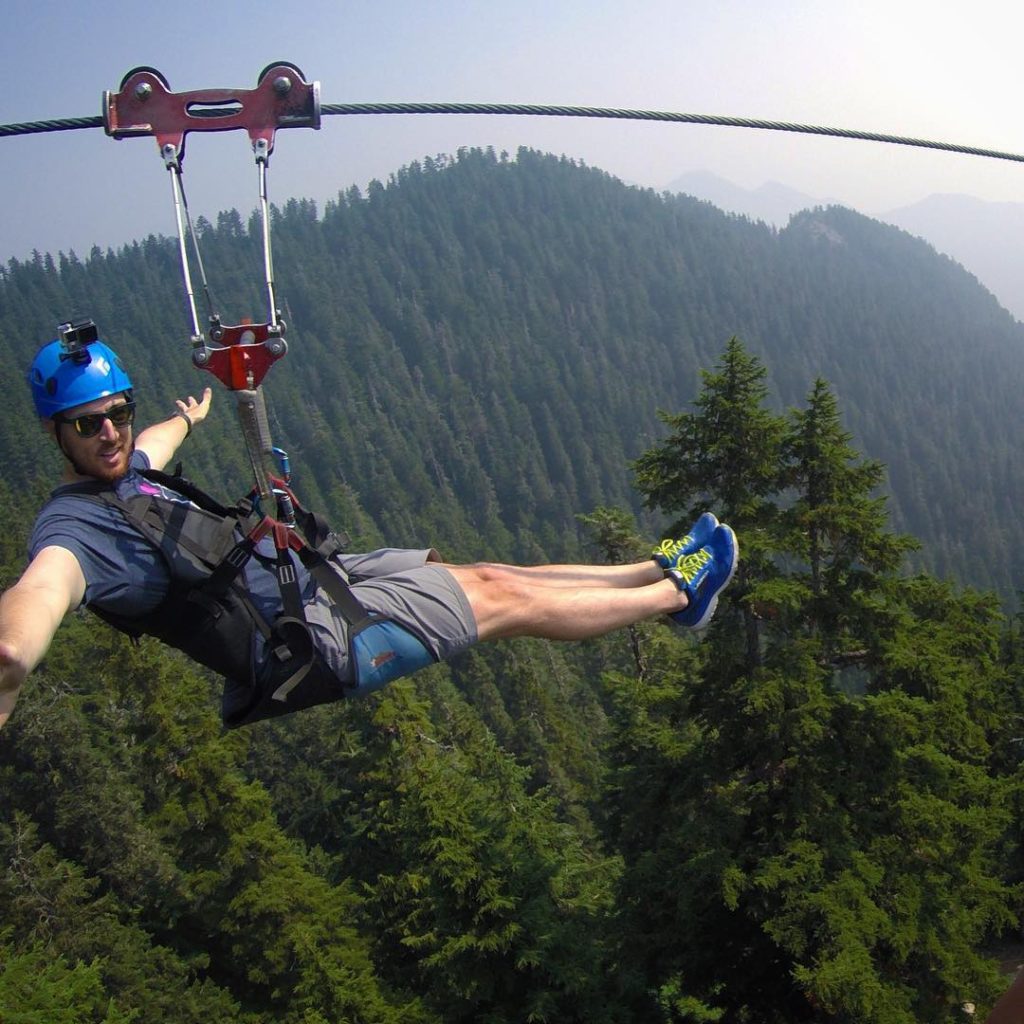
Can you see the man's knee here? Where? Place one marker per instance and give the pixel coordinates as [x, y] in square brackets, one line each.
[490, 574]
[497, 596]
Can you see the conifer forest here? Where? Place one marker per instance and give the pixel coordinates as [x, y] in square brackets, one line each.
[815, 812]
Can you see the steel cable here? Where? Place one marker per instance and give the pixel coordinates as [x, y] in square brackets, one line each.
[65, 124]
[536, 110]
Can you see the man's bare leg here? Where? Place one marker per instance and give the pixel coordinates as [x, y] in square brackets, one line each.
[508, 601]
[637, 574]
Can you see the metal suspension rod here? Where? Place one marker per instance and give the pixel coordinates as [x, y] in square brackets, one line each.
[268, 263]
[179, 204]
[210, 308]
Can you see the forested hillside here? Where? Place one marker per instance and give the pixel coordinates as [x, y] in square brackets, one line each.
[811, 814]
[480, 347]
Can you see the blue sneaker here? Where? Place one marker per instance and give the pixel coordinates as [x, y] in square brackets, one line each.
[700, 533]
[703, 575]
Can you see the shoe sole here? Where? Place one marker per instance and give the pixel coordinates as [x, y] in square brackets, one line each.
[713, 603]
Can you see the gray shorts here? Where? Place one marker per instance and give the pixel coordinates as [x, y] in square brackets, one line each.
[403, 585]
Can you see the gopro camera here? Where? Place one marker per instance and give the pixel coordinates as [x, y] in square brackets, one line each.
[75, 335]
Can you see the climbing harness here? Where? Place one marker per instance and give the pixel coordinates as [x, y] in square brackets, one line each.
[209, 615]
[238, 355]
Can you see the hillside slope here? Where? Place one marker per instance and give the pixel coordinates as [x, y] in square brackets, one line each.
[480, 347]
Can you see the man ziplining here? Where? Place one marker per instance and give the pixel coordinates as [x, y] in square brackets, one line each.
[288, 623]
[273, 605]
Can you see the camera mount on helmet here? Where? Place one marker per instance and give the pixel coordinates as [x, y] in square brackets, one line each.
[75, 336]
[75, 368]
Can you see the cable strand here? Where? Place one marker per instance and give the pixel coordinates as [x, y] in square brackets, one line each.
[536, 110]
[658, 115]
[65, 124]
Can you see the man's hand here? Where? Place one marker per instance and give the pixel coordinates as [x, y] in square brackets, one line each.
[196, 410]
[162, 440]
[12, 675]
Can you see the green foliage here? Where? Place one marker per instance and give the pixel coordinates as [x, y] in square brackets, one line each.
[478, 346]
[160, 858]
[844, 851]
[811, 815]
[494, 904]
[37, 989]
[727, 451]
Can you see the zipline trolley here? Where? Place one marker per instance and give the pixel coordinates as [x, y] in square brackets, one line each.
[238, 355]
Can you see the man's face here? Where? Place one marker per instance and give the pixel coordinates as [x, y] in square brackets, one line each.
[103, 456]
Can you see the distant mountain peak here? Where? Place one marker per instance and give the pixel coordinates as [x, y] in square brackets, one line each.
[981, 235]
[771, 202]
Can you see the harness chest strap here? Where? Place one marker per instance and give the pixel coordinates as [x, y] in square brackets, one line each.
[207, 581]
[290, 633]
[202, 536]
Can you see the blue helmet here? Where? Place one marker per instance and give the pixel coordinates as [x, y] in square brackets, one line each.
[60, 379]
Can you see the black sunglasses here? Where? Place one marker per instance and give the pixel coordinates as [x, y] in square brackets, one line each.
[91, 423]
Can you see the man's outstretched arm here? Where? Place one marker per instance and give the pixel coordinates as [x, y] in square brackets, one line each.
[162, 440]
[30, 613]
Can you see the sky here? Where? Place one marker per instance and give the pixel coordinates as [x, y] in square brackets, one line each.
[935, 70]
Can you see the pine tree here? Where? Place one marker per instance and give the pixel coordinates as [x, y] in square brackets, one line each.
[835, 529]
[481, 898]
[824, 854]
[724, 456]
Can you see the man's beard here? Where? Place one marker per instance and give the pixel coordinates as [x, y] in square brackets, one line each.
[101, 471]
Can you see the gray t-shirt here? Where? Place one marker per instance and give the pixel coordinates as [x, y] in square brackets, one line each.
[124, 573]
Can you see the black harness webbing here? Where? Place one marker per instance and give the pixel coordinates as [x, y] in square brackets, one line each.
[315, 559]
[290, 631]
[208, 614]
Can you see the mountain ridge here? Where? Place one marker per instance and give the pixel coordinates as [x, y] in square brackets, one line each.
[984, 236]
[483, 344]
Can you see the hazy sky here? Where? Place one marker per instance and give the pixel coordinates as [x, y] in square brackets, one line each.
[936, 70]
